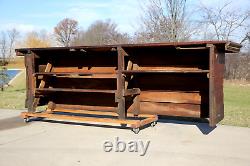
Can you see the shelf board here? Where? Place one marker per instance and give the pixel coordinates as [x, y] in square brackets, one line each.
[74, 90]
[72, 73]
[163, 71]
[124, 71]
[128, 92]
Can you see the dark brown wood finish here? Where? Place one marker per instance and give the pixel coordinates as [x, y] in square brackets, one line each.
[216, 104]
[175, 79]
[30, 81]
[120, 84]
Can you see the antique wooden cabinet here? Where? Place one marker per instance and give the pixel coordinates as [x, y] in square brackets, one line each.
[127, 82]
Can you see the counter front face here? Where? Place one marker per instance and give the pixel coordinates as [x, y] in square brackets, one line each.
[174, 80]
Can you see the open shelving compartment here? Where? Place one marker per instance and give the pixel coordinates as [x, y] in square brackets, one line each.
[87, 82]
[127, 84]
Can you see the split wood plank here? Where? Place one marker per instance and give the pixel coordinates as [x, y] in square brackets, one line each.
[41, 85]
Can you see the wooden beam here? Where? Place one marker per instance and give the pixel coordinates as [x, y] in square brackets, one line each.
[98, 113]
[40, 90]
[144, 122]
[86, 107]
[134, 123]
[41, 85]
[30, 81]
[120, 84]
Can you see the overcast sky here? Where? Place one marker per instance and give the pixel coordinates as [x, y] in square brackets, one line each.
[28, 15]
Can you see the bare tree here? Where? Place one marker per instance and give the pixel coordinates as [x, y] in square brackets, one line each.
[65, 31]
[246, 42]
[164, 20]
[3, 62]
[3, 43]
[101, 32]
[223, 21]
[12, 34]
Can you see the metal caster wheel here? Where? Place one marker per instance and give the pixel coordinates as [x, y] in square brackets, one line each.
[26, 120]
[136, 130]
[153, 124]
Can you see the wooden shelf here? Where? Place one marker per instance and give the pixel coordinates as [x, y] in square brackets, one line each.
[77, 74]
[163, 71]
[128, 92]
[72, 73]
[74, 90]
[123, 71]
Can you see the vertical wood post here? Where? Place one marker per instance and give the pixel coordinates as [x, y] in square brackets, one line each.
[216, 70]
[120, 84]
[211, 85]
[30, 81]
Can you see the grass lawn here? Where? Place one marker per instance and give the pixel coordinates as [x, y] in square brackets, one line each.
[14, 96]
[237, 104]
[236, 96]
[17, 63]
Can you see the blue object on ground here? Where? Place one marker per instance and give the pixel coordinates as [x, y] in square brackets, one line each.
[11, 74]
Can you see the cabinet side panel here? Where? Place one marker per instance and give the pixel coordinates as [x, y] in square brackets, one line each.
[29, 64]
[216, 97]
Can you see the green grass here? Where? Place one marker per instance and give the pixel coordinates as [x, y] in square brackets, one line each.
[236, 100]
[14, 96]
[237, 104]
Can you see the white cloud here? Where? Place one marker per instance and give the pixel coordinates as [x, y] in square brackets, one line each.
[19, 27]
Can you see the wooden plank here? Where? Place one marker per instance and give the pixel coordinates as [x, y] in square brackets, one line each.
[98, 113]
[86, 107]
[171, 109]
[134, 123]
[41, 85]
[86, 112]
[171, 96]
[74, 73]
[144, 122]
[78, 118]
[93, 69]
[216, 106]
[120, 84]
[192, 48]
[163, 71]
[73, 90]
[30, 82]
[101, 76]
[176, 67]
